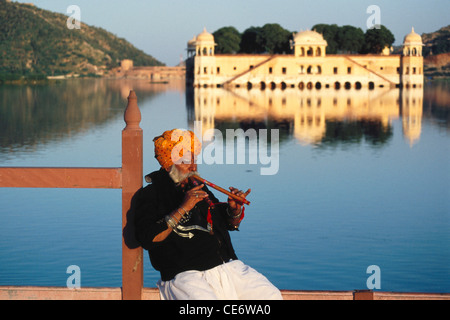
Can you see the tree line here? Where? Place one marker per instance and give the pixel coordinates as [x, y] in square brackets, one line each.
[274, 39]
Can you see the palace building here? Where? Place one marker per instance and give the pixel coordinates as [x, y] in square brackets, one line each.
[308, 67]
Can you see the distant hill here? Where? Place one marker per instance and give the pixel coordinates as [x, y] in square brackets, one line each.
[437, 65]
[436, 52]
[436, 42]
[34, 41]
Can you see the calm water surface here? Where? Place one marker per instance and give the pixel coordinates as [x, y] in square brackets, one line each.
[362, 179]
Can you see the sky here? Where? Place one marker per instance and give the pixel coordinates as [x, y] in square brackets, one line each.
[162, 28]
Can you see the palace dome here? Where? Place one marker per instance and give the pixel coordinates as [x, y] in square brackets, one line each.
[309, 37]
[412, 39]
[205, 36]
[191, 43]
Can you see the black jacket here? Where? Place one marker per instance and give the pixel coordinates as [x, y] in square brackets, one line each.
[191, 246]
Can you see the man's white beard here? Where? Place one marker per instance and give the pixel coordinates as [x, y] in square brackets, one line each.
[177, 176]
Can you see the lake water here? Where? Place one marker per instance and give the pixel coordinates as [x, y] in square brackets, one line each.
[358, 178]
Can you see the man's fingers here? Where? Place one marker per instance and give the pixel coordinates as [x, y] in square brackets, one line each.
[197, 187]
[239, 192]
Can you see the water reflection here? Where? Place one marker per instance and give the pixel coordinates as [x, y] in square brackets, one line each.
[33, 115]
[437, 103]
[317, 117]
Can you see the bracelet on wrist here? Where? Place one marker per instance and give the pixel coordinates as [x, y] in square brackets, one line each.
[182, 208]
[172, 220]
[233, 216]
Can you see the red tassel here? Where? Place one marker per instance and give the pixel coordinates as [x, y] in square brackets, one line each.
[242, 214]
[209, 219]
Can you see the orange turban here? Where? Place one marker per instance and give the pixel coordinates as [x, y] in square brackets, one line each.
[170, 147]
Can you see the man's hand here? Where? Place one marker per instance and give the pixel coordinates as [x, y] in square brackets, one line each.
[193, 196]
[236, 206]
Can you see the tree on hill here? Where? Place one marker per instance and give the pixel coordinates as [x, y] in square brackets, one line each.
[228, 40]
[276, 38]
[350, 39]
[437, 42]
[329, 33]
[270, 38]
[252, 40]
[375, 40]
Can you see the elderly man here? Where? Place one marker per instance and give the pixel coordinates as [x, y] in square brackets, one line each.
[186, 230]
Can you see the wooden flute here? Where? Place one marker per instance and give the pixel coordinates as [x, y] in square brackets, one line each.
[228, 193]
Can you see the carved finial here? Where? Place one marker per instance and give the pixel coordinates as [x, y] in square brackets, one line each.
[132, 114]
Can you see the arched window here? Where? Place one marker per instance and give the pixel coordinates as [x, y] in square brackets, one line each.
[302, 70]
[310, 52]
[318, 52]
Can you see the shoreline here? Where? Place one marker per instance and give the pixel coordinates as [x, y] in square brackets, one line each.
[59, 79]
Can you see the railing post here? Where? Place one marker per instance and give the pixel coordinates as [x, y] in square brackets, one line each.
[132, 173]
[363, 295]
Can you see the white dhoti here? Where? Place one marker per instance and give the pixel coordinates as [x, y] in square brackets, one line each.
[230, 281]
